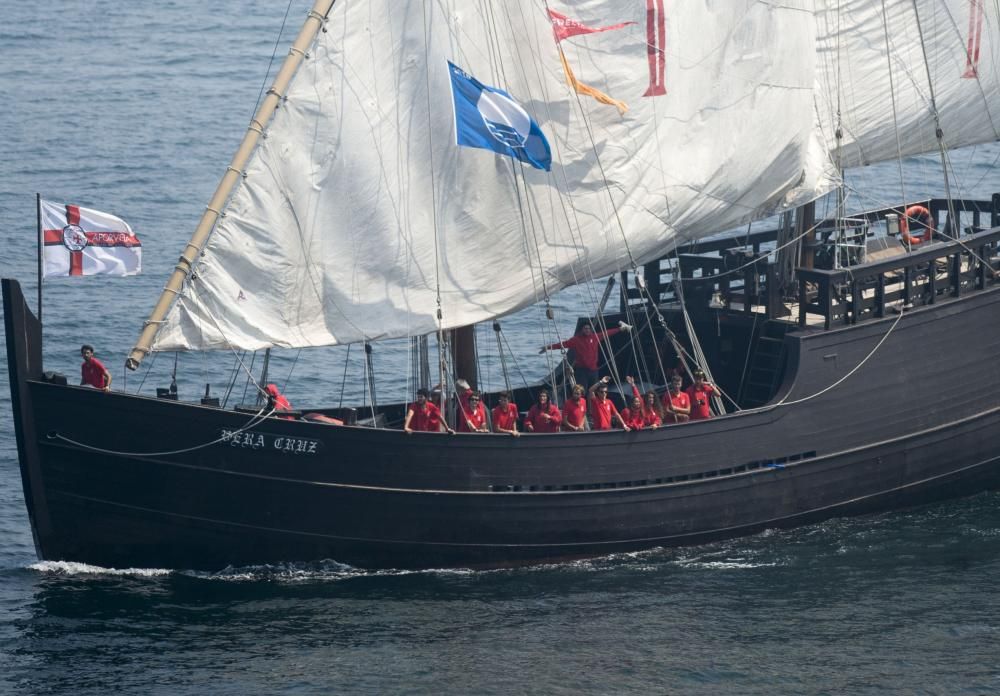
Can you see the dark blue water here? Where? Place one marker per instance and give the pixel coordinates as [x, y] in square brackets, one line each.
[136, 108]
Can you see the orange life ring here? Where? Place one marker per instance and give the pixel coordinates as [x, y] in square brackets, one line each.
[919, 214]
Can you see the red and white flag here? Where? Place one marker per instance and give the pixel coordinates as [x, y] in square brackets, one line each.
[81, 241]
[563, 27]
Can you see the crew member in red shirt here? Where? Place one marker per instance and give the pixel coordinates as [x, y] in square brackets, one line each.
[700, 394]
[603, 412]
[423, 416]
[586, 346]
[575, 411]
[277, 401]
[676, 403]
[544, 416]
[644, 411]
[505, 415]
[92, 371]
[473, 417]
[652, 411]
[633, 416]
[464, 392]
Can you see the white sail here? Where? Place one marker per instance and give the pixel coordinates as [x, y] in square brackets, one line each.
[881, 62]
[359, 211]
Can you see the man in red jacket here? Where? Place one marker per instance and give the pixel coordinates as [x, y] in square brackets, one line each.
[586, 347]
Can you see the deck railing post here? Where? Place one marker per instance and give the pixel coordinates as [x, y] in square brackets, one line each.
[955, 273]
[826, 299]
[931, 281]
[880, 295]
[749, 288]
[855, 302]
[803, 299]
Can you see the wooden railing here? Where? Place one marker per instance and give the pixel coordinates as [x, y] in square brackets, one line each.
[729, 268]
[849, 295]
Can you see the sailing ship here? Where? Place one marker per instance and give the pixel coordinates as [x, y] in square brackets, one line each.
[857, 351]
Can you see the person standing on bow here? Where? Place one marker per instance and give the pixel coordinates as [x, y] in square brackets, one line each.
[505, 415]
[575, 411]
[423, 416]
[544, 416]
[92, 371]
[700, 393]
[473, 416]
[676, 402]
[603, 411]
[586, 347]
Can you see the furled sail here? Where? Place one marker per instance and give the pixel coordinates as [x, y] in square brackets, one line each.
[359, 217]
[880, 64]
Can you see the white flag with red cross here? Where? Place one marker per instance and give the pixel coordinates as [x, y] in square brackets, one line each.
[82, 241]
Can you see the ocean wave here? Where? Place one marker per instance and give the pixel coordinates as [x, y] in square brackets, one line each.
[71, 568]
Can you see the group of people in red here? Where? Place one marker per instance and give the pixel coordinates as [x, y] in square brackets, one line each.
[647, 410]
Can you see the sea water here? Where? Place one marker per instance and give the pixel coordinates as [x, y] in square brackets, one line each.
[136, 108]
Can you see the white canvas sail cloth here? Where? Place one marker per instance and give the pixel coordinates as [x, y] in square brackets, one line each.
[359, 205]
[880, 63]
[82, 241]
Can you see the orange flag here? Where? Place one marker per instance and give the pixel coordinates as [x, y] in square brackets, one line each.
[587, 89]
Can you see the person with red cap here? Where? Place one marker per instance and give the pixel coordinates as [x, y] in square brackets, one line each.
[700, 393]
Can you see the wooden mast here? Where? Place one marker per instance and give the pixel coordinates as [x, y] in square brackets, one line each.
[463, 348]
[312, 25]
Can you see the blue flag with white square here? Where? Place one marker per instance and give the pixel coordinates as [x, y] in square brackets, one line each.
[489, 118]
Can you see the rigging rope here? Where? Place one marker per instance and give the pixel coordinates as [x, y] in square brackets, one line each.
[232, 382]
[840, 381]
[274, 53]
[434, 220]
[343, 382]
[938, 131]
[892, 96]
[503, 358]
[257, 418]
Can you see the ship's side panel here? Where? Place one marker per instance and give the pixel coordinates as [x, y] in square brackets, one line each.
[167, 483]
[24, 362]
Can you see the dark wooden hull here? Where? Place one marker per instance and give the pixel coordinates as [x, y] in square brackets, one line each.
[899, 432]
